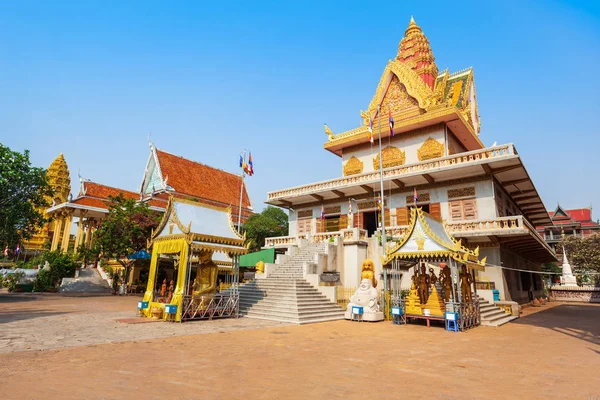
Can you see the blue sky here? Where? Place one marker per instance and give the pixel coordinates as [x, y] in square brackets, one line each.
[92, 79]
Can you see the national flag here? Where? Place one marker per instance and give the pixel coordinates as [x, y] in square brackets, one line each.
[241, 161]
[370, 129]
[18, 249]
[349, 207]
[391, 122]
[415, 195]
[250, 166]
[322, 212]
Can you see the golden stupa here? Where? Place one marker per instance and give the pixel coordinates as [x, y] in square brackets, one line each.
[59, 179]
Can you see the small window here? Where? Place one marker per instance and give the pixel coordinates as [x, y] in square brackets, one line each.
[465, 209]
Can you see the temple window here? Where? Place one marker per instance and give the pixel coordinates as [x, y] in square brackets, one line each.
[465, 209]
[303, 225]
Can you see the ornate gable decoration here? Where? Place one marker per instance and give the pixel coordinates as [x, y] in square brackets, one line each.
[430, 149]
[353, 166]
[392, 157]
[396, 98]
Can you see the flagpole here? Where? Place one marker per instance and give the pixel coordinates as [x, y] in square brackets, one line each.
[241, 196]
[383, 238]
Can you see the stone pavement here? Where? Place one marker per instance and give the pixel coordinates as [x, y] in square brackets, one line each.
[50, 321]
[553, 352]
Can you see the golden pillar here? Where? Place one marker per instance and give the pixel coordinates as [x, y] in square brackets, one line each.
[57, 230]
[66, 233]
[79, 235]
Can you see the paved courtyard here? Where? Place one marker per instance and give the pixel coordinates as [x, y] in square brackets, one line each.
[55, 347]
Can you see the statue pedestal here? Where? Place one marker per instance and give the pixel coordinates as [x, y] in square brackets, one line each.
[367, 316]
[567, 278]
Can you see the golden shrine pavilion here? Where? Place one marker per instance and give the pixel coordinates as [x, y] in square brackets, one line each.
[433, 158]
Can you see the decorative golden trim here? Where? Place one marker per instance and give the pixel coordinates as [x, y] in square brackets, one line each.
[353, 166]
[431, 148]
[461, 192]
[217, 239]
[392, 157]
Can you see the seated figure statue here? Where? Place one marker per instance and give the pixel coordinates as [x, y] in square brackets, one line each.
[206, 276]
[367, 298]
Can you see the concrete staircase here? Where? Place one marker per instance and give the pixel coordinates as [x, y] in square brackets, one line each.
[491, 315]
[286, 297]
[89, 281]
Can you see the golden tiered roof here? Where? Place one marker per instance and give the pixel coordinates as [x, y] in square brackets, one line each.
[418, 96]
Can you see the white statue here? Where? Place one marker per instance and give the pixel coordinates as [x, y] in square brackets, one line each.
[367, 298]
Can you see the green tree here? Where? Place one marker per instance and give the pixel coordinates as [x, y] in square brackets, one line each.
[125, 229]
[24, 191]
[272, 221]
[583, 254]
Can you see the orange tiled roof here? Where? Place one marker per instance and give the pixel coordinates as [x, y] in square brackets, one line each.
[198, 180]
[93, 189]
[86, 201]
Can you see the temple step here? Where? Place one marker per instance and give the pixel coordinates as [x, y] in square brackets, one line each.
[286, 297]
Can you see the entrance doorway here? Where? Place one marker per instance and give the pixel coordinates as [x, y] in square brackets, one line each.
[370, 222]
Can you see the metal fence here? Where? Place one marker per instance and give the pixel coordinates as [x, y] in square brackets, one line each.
[221, 305]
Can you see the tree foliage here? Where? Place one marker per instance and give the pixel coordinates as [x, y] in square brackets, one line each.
[126, 228]
[583, 253]
[24, 191]
[272, 221]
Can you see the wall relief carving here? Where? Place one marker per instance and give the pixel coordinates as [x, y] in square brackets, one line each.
[462, 192]
[392, 157]
[305, 214]
[353, 166]
[430, 149]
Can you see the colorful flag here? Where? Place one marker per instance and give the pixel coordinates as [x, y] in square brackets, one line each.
[415, 195]
[322, 211]
[391, 122]
[379, 202]
[18, 250]
[250, 166]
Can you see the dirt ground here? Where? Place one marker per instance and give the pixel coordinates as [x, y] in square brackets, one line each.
[551, 352]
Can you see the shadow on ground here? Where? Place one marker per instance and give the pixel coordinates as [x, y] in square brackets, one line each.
[574, 320]
[22, 315]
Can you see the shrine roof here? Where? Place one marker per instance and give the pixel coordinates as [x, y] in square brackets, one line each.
[207, 227]
[576, 214]
[202, 181]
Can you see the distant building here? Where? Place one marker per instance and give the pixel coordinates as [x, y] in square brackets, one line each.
[575, 222]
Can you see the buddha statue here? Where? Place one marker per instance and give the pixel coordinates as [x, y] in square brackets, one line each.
[446, 282]
[423, 285]
[163, 291]
[368, 272]
[465, 284]
[366, 297]
[206, 276]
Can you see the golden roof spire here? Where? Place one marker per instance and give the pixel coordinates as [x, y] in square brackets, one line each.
[414, 50]
[59, 179]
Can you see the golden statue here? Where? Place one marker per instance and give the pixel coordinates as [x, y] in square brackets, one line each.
[163, 291]
[206, 276]
[260, 267]
[435, 304]
[412, 302]
[465, 284]
[423, 281]
[446, 281]
[368, 272]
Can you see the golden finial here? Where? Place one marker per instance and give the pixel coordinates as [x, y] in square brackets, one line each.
[328, 132]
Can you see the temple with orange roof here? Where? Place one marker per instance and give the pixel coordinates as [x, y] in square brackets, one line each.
[433, 158]
[165, 175]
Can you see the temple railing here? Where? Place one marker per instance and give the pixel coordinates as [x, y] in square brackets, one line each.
[280, 241]
[471, 157]
[325, 236]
